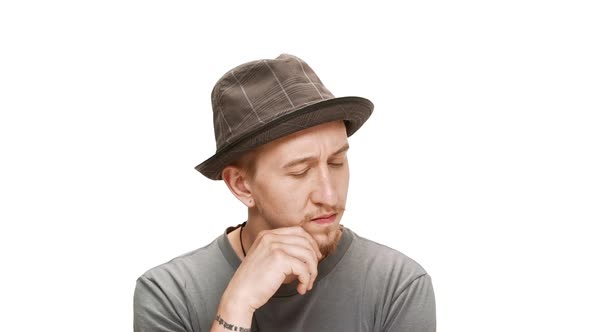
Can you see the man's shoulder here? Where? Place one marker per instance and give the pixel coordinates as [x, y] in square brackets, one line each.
[382, 260]
[185, 266]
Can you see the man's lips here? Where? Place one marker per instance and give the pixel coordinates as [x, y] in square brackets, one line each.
[325, 219]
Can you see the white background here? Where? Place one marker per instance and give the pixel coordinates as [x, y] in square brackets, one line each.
[475, 162]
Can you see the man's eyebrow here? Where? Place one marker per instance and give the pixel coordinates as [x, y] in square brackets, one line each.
[344, 148]
[298, 161]
[308, 159]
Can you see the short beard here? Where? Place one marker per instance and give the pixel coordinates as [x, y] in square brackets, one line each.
[328, 248]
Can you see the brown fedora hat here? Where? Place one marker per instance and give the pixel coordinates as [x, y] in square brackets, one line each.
[262, 100]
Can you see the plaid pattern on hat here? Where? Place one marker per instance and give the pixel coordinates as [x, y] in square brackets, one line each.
[262, 100]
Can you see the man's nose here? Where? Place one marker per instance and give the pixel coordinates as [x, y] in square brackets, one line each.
[324, 191]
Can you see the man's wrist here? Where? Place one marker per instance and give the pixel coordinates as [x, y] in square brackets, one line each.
[236, 303]
[229, 326]
[233, 315]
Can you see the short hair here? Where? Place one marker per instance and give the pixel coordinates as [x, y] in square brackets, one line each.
[247, 163]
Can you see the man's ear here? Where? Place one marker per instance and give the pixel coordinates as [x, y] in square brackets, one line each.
[237, 182]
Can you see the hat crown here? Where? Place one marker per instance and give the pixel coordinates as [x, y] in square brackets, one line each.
[258, 92]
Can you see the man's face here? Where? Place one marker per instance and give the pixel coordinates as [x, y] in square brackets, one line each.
[302, 179]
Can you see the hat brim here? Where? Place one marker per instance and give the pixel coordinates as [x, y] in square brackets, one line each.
[354, 111]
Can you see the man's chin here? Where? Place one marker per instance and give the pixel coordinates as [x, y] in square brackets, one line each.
[327, 242]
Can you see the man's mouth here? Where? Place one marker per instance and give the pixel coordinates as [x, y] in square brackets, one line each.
[325, 219]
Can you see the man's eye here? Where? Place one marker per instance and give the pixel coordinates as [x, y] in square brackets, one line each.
[336, 164]
[300, 174]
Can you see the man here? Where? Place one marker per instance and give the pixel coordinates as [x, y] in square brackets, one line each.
[281, 150]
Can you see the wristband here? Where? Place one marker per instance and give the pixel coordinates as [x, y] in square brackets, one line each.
[229, 326]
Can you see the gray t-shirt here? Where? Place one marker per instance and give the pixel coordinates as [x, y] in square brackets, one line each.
[362, 286]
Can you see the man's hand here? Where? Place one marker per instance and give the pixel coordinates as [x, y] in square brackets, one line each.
[276, 256]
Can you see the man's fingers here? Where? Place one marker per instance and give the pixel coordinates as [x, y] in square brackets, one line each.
[298, 231]
[303, 274]
[304, 254]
